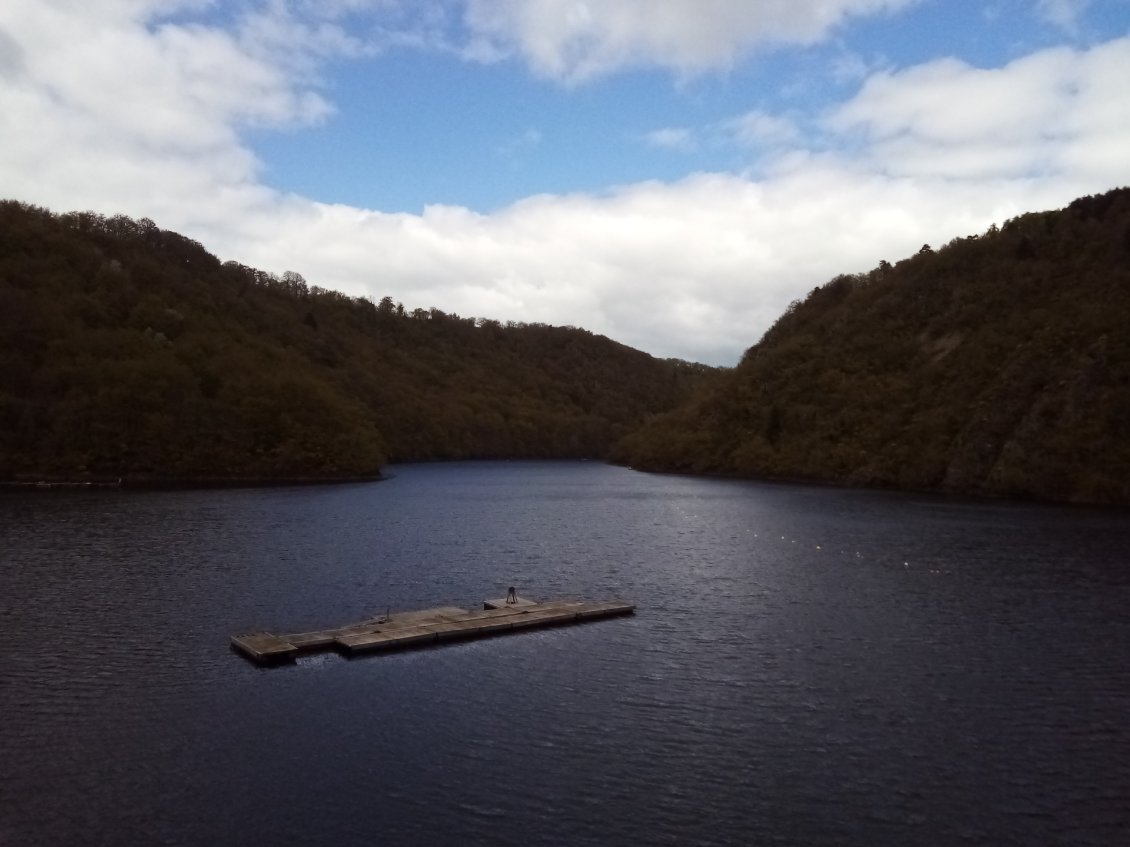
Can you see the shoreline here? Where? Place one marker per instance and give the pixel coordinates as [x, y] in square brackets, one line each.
[48, 483]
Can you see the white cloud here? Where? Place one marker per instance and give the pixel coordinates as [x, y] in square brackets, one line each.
[576, 41]
[851, 68]
[275, 32]
[697, 269]
[758, 129]
[107, 103]
[1063, 13]
[1056, 112]
[678, 138]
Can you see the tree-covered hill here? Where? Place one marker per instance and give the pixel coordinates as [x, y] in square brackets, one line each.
[129, 351]
[997, 364]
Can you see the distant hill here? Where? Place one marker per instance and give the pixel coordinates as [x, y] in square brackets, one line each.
[130, 351]
[998, 364]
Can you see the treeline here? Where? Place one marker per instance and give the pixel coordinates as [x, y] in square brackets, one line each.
[130, 351]
[997, 364]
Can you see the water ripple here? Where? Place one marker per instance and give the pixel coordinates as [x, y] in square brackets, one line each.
[807, 666]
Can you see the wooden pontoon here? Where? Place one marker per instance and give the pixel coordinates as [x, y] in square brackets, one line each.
[424, 627]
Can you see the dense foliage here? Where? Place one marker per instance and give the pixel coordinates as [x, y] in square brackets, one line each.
[997, 364]
[129, 351]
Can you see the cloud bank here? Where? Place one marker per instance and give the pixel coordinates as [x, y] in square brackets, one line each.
[122, 106]
[578, 41]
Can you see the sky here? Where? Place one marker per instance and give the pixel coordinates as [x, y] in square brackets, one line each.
[669, 173]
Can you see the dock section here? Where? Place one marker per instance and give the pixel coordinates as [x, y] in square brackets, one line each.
[427, 626]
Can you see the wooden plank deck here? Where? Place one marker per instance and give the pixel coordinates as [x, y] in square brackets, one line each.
[264, 647]
[426, 626]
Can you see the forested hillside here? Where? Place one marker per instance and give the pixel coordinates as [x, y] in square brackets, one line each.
[997, 364]
[129, 351]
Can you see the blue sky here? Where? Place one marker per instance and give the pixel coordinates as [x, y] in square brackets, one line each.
[416, 127]
[670, 173]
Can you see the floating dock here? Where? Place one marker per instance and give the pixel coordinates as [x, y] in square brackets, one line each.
[427, 626]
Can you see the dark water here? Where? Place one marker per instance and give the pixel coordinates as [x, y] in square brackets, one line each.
[807, 666]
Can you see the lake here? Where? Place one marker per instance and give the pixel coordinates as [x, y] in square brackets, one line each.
[806, 665]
